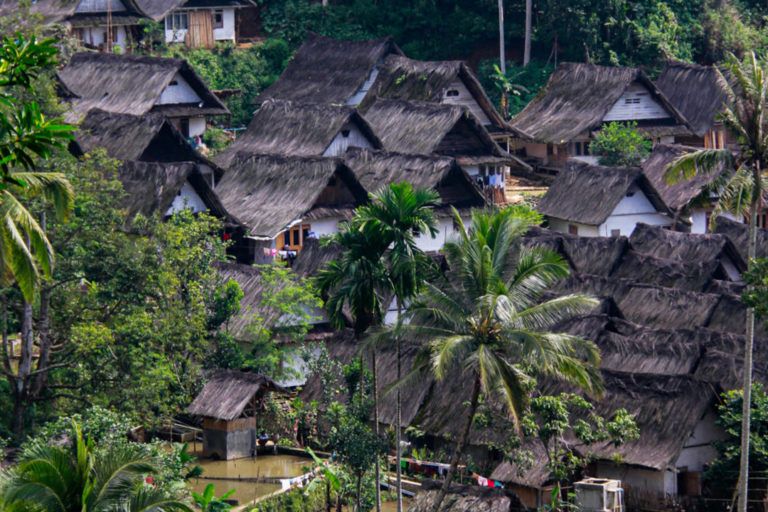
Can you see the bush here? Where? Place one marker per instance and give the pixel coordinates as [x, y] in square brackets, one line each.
[311, 499]
[524, 82]
[620, 144]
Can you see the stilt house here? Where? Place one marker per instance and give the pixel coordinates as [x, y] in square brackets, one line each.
[128, 84]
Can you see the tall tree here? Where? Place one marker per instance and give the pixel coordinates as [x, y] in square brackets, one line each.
[488, 321]
[400, 214]
[528, 20]
[741, 193]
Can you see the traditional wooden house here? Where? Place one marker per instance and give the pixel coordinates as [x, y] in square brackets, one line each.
[230, 404]
[203, 23]
[579, 99]
[443, 82]
[302, 129]
[378, 169]
[326, 70]
[590, 200]
[128, 84]
[448, 130]
[699, 93]
[283, 200]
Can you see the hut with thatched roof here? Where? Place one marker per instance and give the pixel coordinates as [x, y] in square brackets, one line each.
[282, 200]
[448, 130]
[302, 129]
[580, 98]
[325, 70]
[229, 404]
[700, 93]
[589, 200]
[131, 84]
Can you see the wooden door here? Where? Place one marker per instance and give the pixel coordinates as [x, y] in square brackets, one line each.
[200, 32]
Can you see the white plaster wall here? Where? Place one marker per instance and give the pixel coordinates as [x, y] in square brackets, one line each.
[647, 108]
[227, 32]
[699, 221]
[180, 93]
[362, 92]
[187, 199]
[98, 35]
[340, 143]
[698, 450]
[630, 211]
[327, 226]
[561, 226]
[196, 126]
[466, 99]
[445, 225]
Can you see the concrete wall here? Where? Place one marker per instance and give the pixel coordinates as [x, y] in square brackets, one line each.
[182, 92]
[636, 104]
[224, 445]
[353, 138]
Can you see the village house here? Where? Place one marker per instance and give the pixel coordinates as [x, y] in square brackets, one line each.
[579, 99]
[128, 84]
[302, 129]
[283, 200]
[203, 23]
[447, 130]
[160, 170]
[325, 70]
[700, 94]
[590, 200]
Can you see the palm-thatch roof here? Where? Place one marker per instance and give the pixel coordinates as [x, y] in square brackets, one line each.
[151, 187]
[267, 193]
[698, 92]
[681, 194]
[465, 498]
[401, 78]
[313, 257]
[588, 194]
[577, 98]
[296, 129]
[58, 11]
[228, 392]
[378, 169]
[325, 70]
[738, 233]
[132, 84]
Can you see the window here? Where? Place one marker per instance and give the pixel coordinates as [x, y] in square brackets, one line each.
[452, 93]
[173, 82]
[184, 126]
[615, 233]
[177, 20]
[218, 18]
[632, 101]
[296, 238]
[580, 148]
[345, 133]
[573, 229]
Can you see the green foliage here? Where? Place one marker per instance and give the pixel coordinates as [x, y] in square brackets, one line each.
[521, 83]
[249, 70]
[208, 502]
[216, 139]
[757, 295]
[309, 499]
[722, 473]
[620, 144]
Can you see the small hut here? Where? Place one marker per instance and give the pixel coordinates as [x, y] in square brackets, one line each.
[229, 404]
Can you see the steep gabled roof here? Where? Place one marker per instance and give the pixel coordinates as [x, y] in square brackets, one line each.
[425, 128]
[577, 98]
[132, 84]
[680, 194]
[266, 193]
[588, 194]
[698, 92]
[738, 233]
[228, 392]
[296, 129]
[326, 70]
[401, 78]
[378, 169]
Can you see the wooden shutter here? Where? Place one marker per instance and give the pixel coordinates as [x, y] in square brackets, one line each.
[200, 33]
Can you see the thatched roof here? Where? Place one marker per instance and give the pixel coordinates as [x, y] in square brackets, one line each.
[158, 9]
[698, 92]
[325, 70]
[465, 498]
[588, 194]
[296, 129]
[313, 257]
[577, 98]
[401, 78]
[227, 393]
[426, 128]
[378, 169]
[57, 11]
[132, 84]
[152, 186]
[737, 232]
[267, 193]
[679, 195]
[681, 275]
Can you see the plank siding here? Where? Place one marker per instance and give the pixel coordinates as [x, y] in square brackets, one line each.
[354, 138]
[636, 104]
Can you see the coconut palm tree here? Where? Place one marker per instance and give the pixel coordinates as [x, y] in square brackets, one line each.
[399, 214]
[80, 478]
[740, 192]
[488, 321]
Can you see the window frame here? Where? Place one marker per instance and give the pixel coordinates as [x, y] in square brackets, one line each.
[220, 24]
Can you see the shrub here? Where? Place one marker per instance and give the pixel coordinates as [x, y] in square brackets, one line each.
[620, 144]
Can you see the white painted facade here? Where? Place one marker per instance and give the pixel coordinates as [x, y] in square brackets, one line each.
[187, 198]
[446, 230]
[362, 92]
[636, 104]
[349, 136]
[458, 94]
[178, 90]
[633, 209]
[177, 25]
[196, 126]
[97, 36]
[328, 226]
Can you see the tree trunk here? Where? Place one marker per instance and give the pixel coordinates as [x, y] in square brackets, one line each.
[502, 59]
[21, 392]
[377, 465]
[358, 508]
[460, 446]
[528, 20]
[327, 495]
[44, 343]
[398, 419]
[746, 409]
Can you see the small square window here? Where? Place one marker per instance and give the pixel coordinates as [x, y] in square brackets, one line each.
[615, 233]
[218, 18]
[452, 93]
[573, 229]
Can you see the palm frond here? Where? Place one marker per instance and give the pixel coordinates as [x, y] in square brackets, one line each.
[703, 161]
[53, 186]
